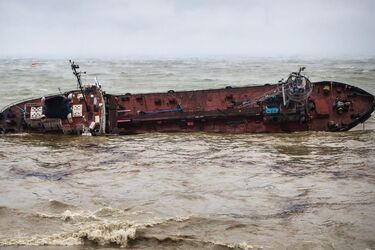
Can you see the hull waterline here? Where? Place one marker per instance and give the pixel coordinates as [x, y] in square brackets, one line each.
[294, 105]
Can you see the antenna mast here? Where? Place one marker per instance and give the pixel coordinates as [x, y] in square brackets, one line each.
[79, 83]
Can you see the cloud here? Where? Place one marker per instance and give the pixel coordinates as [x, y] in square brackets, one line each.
[114, 28]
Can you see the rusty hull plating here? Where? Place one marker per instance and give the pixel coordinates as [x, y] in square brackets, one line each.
[294, 105]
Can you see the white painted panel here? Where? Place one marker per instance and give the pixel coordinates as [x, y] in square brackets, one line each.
[77, 110]
[36, 113]
[97, 119]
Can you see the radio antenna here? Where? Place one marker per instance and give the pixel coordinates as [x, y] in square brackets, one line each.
[79, 83]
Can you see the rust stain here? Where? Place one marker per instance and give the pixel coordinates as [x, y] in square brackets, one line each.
[294, 105]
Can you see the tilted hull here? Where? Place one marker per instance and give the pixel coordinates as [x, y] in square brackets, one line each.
[331, 106]
[66, 113]
[237, 110]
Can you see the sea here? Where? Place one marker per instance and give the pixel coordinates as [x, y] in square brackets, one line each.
[309, 190]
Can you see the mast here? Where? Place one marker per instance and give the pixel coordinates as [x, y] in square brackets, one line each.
[79, 83]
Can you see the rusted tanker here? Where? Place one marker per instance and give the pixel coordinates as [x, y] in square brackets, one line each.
[288, 106]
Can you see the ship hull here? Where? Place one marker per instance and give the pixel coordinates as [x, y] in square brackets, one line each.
[224, 111]
[331, 106]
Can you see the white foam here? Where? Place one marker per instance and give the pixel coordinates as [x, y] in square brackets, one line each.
[38, 240]
[102, 234]
[243, 246]
[77, 216]
[107, 234]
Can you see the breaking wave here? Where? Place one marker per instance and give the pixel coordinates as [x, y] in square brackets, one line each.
[123, 235]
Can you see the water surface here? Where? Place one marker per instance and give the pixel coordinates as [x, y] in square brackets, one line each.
[179, 190]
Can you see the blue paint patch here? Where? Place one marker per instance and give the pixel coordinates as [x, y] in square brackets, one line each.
[272, 110]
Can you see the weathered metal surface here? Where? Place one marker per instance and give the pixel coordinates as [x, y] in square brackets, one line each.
[28, 116]
[236, 110]
[294, 105]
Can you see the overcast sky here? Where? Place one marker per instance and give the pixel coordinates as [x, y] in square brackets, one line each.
[122, 28]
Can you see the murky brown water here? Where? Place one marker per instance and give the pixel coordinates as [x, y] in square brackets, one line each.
[185, 191]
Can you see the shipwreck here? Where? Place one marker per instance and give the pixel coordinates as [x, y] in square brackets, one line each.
[296, 104]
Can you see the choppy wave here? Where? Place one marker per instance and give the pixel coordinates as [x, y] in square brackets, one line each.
[122, 235]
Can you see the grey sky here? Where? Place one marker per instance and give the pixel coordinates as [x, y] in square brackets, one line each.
[114, 28]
